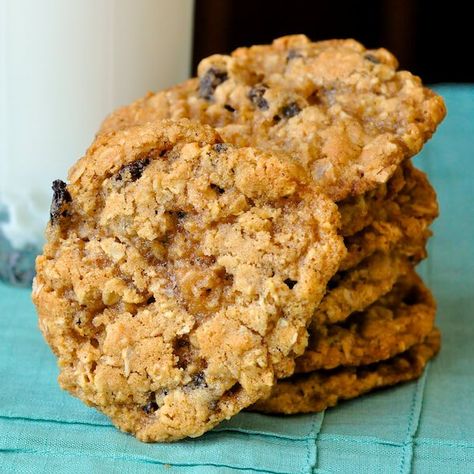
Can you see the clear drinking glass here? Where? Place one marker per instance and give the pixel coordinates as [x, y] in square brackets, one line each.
[65, 64]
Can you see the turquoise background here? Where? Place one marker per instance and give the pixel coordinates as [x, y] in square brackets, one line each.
[423, 427]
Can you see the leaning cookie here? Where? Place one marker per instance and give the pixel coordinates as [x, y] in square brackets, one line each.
[402, 318]
[179, 276]
[345, 112]
[316, 391]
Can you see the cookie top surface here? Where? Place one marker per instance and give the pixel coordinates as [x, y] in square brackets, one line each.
[344, 111]
[180, 274]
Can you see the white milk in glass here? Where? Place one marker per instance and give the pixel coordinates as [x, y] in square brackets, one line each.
[64, 65]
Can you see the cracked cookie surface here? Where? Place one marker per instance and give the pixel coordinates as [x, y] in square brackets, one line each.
[179, 276]
[345, 112]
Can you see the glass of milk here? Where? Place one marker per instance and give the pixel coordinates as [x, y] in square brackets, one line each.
[64, 65]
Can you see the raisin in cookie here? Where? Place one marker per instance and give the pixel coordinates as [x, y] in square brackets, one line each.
[345, 112]
[316, 391]
[396, 321]
[179, 276]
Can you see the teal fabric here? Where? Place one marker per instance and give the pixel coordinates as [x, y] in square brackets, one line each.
[422, 427]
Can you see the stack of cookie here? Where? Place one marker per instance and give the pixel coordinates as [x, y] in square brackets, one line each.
[210, 224]
[375, 325]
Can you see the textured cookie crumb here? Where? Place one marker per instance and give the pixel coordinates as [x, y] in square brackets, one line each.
[316, 391]
[397, 223]
[395, 322]
[359, 287]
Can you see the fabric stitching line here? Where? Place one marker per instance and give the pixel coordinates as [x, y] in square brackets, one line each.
[406, 446]
[51, 420]
[365, 440]
[99, 425]
[418, 441]
[306, 469]
[316, 440]
[144, 461]
[137, 458]
[311, 444]
[442, 443]
[413, 422]
[259, 433]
